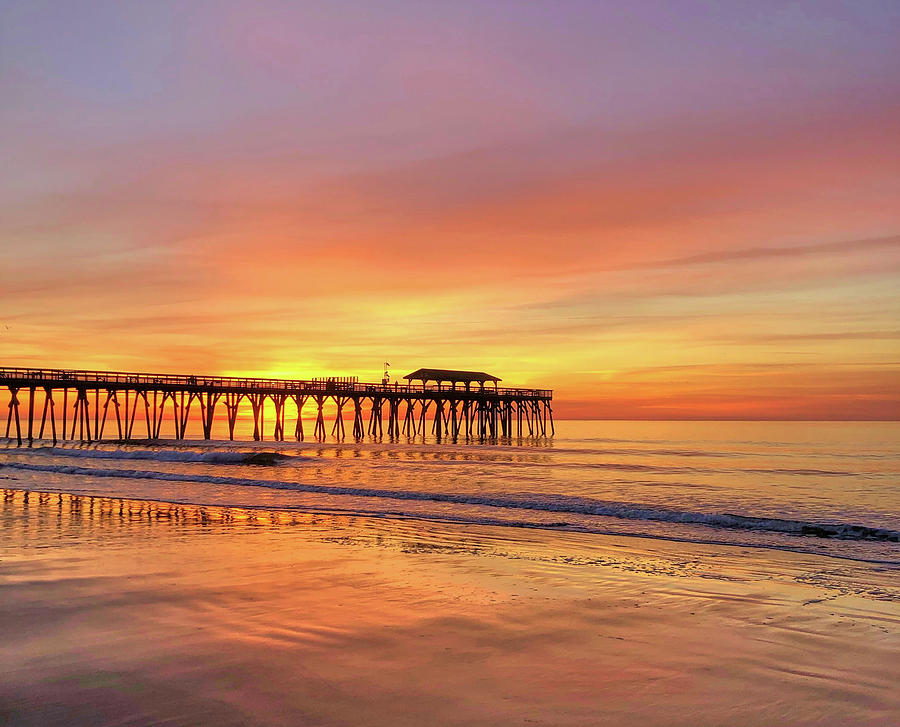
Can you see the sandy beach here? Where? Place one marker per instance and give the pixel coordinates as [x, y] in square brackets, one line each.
[126, 612]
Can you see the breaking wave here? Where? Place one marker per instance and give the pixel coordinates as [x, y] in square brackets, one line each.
[171, 455]
[519, 501]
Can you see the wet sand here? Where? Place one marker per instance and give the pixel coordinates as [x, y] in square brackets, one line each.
[122, 612]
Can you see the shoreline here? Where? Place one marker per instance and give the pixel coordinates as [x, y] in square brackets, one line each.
[499, 523]
[183, 615]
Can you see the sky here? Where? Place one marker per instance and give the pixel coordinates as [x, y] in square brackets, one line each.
[658, 209]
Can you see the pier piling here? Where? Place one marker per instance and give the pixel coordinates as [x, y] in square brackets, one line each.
[480, 411]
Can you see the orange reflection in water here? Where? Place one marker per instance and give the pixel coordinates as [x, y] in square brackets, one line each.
[183, 615]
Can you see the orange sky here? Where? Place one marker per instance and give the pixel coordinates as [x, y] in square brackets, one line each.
[658, 212]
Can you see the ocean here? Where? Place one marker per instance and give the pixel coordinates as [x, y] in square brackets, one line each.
[813, 487]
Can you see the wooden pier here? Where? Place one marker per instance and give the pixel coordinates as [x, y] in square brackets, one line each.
[85, 406]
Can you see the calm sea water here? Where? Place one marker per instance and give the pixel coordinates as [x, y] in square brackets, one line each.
[828, 488]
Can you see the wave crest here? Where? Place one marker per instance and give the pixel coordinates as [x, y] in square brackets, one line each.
[524, 501]
[171, 455]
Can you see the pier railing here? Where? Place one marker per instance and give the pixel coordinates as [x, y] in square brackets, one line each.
[36, 376]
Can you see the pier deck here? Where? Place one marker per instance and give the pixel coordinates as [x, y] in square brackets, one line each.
[485, 412]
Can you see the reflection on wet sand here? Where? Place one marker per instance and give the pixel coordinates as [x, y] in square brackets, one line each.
[135, 612]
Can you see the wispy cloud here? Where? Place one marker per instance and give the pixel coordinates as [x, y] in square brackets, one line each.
[505, 186]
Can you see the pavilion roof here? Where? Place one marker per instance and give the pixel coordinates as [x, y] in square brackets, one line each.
[450, 375]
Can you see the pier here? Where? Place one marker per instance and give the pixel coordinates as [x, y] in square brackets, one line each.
[86, 406]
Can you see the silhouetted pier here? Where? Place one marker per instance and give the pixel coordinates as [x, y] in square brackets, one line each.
[456, 404]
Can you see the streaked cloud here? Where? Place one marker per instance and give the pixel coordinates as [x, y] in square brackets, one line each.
[706, 216]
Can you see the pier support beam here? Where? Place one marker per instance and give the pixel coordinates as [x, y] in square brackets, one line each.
[320, 418]
[358, 427]
[486, 413]
[14, 411]
[299, 400]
